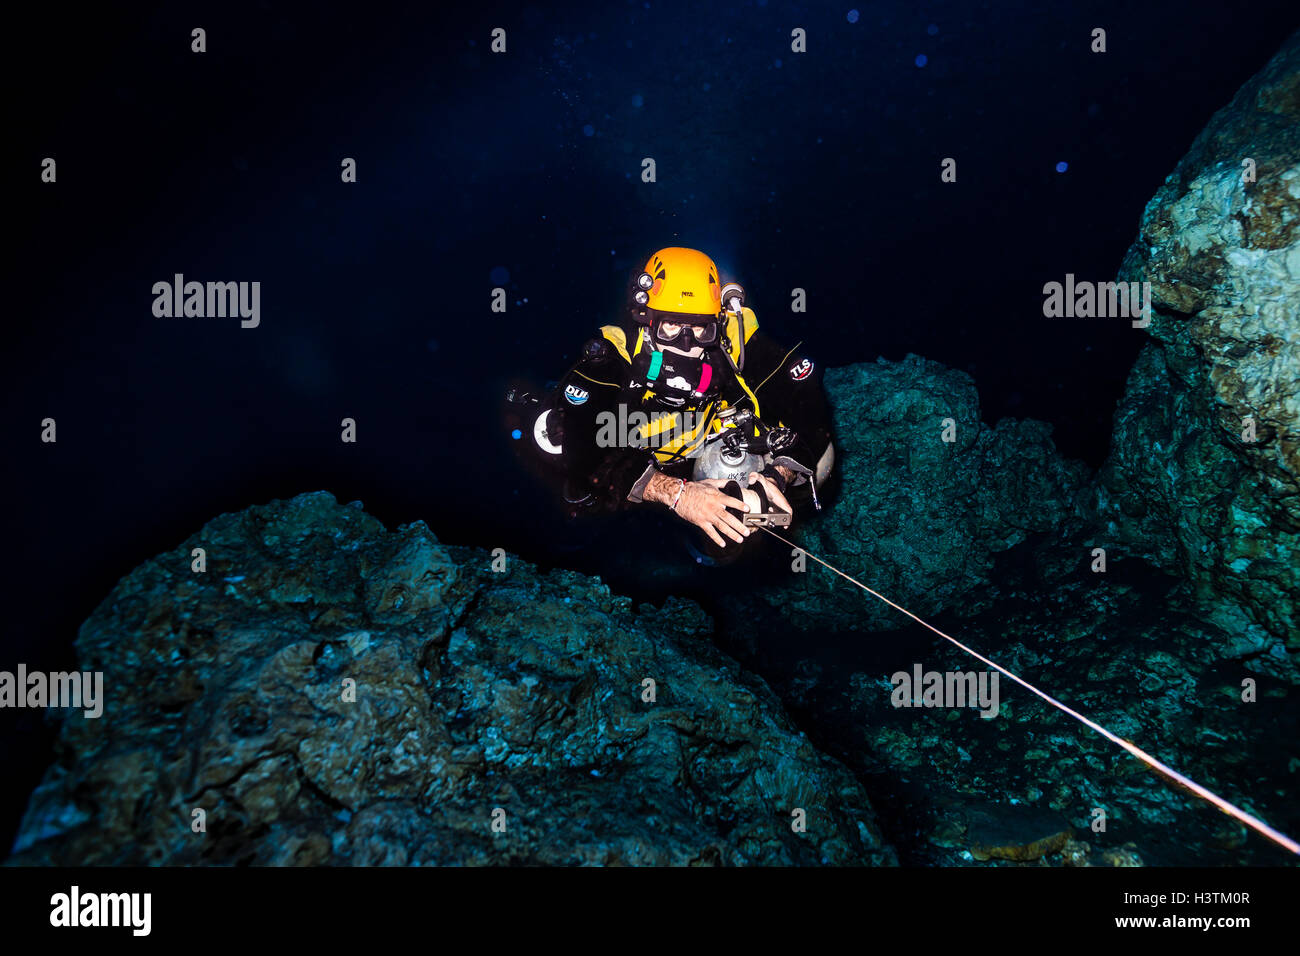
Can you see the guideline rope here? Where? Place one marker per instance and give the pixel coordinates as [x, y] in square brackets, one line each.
[1231, 809]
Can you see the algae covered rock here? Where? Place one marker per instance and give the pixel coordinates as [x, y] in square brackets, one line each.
[1204, 471]
[1018, 834]
[328, 692]
[930, 495]
[1132, 649]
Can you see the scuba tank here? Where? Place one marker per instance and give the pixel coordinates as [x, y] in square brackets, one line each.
[746, 444]
[727, 456]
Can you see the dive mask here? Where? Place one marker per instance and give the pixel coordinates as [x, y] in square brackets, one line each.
[685, 336]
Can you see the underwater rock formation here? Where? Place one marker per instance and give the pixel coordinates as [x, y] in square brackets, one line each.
[1204, 472]
[1132, 648]
[931, 496]
[496, 717]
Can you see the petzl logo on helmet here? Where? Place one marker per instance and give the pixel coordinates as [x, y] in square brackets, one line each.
[575, 395]
[801, 370]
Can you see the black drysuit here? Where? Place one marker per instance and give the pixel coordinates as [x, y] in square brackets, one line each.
[603, 385]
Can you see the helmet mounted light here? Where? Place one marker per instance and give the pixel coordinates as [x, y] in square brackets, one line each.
[677, 281]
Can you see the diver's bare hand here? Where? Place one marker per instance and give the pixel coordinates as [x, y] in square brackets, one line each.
[774, 494]
[704, 505]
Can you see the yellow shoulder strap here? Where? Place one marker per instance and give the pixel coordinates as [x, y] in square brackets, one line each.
[733, 337]
[618, 338]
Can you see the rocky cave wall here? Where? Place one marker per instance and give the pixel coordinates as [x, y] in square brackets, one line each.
[1185, 484]
[480, 686]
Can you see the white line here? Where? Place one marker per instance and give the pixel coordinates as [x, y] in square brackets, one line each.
[1231, 809]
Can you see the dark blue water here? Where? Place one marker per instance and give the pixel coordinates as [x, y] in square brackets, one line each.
[816, 170]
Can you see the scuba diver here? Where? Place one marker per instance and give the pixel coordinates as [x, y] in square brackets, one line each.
[687, 405]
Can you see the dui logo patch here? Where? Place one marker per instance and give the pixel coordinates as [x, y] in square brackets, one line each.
[575, 395]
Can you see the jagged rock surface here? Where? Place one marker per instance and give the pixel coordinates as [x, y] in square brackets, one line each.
[1183, 486]
[475, 690]
[922, 519]
[1131, 648]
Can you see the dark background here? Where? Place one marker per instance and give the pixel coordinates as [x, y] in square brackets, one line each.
[818, 170]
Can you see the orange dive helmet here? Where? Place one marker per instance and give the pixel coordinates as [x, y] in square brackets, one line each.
[680, 281]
